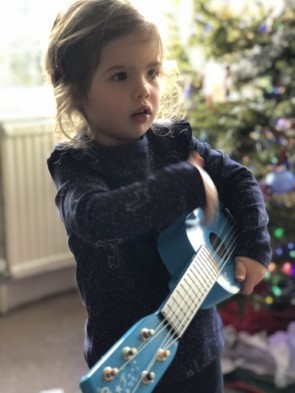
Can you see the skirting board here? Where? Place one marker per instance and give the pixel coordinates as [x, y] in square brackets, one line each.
[15, 292]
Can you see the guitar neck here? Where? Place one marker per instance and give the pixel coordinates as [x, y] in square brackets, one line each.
[188, 295]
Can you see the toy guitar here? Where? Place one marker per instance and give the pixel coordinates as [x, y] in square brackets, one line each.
[199, 259]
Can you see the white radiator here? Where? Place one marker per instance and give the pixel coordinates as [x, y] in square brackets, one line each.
[35, 239]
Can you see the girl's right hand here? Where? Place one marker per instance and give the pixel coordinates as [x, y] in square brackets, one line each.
[211, 208]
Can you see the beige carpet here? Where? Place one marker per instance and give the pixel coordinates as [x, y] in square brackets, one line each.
[41, 347]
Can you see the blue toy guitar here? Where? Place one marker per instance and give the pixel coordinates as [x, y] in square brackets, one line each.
[199, 259]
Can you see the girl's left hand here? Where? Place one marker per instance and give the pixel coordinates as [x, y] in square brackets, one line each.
[249, 272]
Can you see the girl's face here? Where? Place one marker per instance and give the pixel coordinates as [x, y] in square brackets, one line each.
[124, 95]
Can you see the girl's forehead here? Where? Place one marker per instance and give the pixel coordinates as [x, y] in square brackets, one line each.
[131, 48]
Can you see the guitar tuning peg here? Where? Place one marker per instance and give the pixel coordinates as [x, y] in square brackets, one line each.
[147, 377]
[163, 354]
[147, 333]
[109, 373]
[128, 352]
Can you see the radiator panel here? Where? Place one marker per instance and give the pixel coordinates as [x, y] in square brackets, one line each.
[35, 239]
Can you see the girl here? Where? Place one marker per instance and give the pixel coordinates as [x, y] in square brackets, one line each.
[122, 178]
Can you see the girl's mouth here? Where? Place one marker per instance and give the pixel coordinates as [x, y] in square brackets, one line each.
[142, 114]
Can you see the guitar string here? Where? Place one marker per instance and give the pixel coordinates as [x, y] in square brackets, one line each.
[230, 249]
[155, 357]
[178, 318]
[193, 297]
[169, 340]
[203, 289]
[171, 336]
[158, 331]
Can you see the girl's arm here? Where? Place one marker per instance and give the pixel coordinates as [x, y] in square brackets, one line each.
[240, 192]
[95, 213]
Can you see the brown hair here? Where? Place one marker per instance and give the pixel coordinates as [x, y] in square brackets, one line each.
[77, 38]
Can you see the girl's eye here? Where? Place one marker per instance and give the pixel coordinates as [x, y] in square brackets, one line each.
[153, 74]
[120, 76]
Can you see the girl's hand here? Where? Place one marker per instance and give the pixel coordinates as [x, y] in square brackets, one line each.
[249, 272]
[211, 208]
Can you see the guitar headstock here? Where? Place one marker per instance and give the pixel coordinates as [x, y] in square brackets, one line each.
[136, 362]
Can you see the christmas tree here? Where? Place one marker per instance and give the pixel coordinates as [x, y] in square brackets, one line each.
[241, 99]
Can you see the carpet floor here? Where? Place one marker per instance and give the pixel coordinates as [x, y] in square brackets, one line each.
[41, 346]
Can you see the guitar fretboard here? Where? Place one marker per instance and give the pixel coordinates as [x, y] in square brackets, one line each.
[194, 286]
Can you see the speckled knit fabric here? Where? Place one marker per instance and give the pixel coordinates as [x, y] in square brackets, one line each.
[114, 202]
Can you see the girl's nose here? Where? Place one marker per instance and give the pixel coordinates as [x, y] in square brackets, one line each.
[142, 89]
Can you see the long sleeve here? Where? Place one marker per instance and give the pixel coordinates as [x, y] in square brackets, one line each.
[240, 192]
[96, 213]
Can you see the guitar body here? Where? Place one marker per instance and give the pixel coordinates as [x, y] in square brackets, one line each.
[128, 380]
[179, 243]
[199, 260]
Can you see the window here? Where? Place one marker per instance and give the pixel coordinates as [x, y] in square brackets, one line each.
[25, 27]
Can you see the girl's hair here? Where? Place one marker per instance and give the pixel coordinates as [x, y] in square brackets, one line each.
[76, 41]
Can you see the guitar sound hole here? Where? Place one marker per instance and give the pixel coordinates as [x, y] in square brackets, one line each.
[218, 246]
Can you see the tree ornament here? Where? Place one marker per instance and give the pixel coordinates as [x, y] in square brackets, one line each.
[280, 181]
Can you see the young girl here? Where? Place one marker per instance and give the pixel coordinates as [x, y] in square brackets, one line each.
[122, 178]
